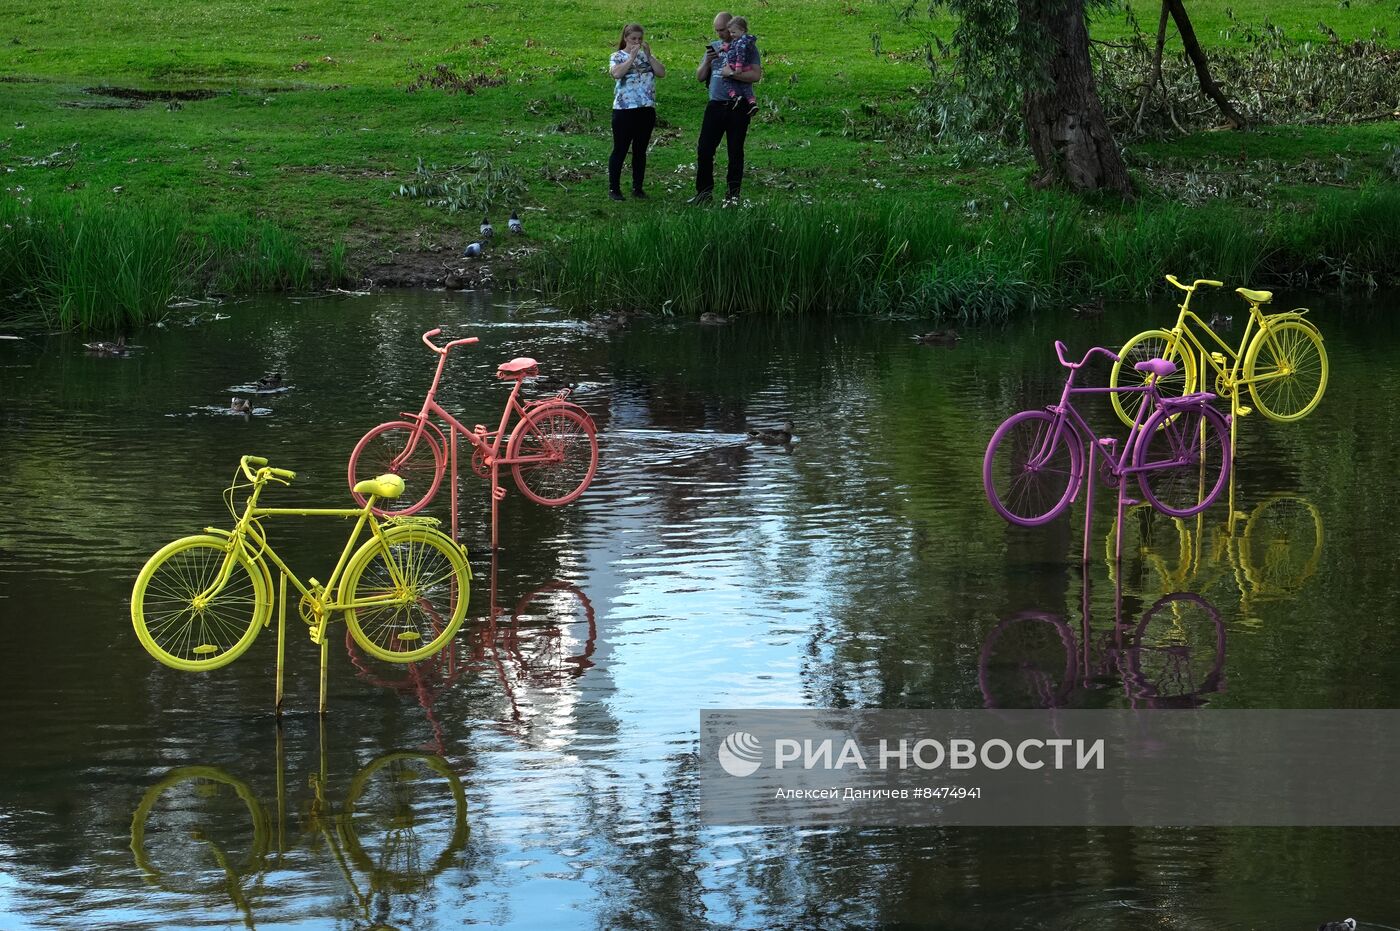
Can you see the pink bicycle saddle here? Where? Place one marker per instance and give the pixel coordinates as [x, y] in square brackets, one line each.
[517, 367]
[1159, 367]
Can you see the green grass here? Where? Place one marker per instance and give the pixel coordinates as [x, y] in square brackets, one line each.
[75, 262]
[887, 259]
[296, 149]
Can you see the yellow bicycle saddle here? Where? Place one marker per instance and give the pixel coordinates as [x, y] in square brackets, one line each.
[387, 485]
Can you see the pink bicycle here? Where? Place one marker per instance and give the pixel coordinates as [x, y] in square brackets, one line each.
[552, 451]
[1178, 450]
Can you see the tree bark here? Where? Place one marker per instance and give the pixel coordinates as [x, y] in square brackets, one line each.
[1064, 118]
[1198, 59]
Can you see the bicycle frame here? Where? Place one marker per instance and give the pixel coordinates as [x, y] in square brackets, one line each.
[1066, 411]
[1184, 331]
[247, 528]
[478, 436]
[488, 444]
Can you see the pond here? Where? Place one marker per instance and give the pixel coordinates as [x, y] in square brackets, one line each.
[542, 772]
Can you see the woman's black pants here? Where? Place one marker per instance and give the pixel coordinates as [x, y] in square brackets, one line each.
[631, 130]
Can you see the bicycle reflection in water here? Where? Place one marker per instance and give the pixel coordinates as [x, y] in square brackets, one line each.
[201, 831]
[1267, 554]
[536, 651]
[1172, 658]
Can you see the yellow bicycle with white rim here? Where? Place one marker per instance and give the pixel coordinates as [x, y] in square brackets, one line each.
[200, 601]
[1280, 359]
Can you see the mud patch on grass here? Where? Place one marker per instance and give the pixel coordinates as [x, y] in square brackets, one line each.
[500, 269]
[147, 94]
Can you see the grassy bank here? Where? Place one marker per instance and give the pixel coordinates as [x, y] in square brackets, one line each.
[79, 263]
[348, 134]
[887, 258]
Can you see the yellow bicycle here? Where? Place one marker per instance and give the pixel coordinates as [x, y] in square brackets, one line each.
[200, 601]
[1280, 359]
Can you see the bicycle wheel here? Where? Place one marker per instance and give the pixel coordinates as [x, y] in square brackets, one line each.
[407, 595]
[1177, 653]
[1286, 368]
[1281, 544]
[1151, 344]
[564, 444]
[410, 809]
[381, 450]
[190, 834]
[181, 622]
[1183, 458]
[1027, 481]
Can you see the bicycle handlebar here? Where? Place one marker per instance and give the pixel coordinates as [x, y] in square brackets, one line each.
[261, 463]
[1195, 284]
[443, 350]
[1060, 351]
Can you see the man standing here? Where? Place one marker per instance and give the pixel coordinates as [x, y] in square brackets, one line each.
[725, 116]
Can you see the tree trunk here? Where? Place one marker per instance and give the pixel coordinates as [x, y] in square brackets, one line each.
[1064, 117]
[1198, 59]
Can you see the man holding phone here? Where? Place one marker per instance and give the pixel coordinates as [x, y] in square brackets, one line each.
[724, 118]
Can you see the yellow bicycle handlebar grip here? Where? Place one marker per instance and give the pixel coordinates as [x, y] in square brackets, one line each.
[1210, 281]
[255, 460]
[283, 473]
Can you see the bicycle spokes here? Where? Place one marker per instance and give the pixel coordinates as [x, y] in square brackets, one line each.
[191, 614]
[1030, 471]
[1287, 370]
[1184, 460]
[406, 596]
[559, 450]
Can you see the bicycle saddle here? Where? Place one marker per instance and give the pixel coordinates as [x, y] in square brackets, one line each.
[1255, 297]
[517, 368]
[1159, 367]
[385, 486]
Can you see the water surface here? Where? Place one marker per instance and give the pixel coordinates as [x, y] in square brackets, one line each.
[542, 773]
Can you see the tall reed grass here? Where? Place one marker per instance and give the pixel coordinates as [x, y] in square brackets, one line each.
[75, 263]
[890, 258]
[82, 266]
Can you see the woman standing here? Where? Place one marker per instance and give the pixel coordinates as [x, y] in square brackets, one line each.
[635, 69]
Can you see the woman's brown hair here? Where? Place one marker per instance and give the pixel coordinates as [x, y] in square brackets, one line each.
[630, 27]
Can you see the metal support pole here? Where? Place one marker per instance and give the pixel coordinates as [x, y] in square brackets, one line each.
[325, 655]
[1118, 524]
[1088, 504]
[453, 430]
[497, 492]
[281, 642]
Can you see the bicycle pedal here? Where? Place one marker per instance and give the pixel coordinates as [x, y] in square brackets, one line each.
[1218, 358]
[1244, 411]
[499, 493]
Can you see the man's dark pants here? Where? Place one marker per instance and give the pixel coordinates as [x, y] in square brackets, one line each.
[722, 118]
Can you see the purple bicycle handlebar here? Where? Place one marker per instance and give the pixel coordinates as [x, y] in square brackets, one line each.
[1060, 351]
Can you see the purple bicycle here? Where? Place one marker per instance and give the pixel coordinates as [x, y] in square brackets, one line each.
[1178, 448]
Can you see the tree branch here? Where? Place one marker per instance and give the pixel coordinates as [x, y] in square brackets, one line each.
[1198, 58]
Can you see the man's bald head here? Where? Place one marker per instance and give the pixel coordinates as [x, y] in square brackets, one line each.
[722, 19]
